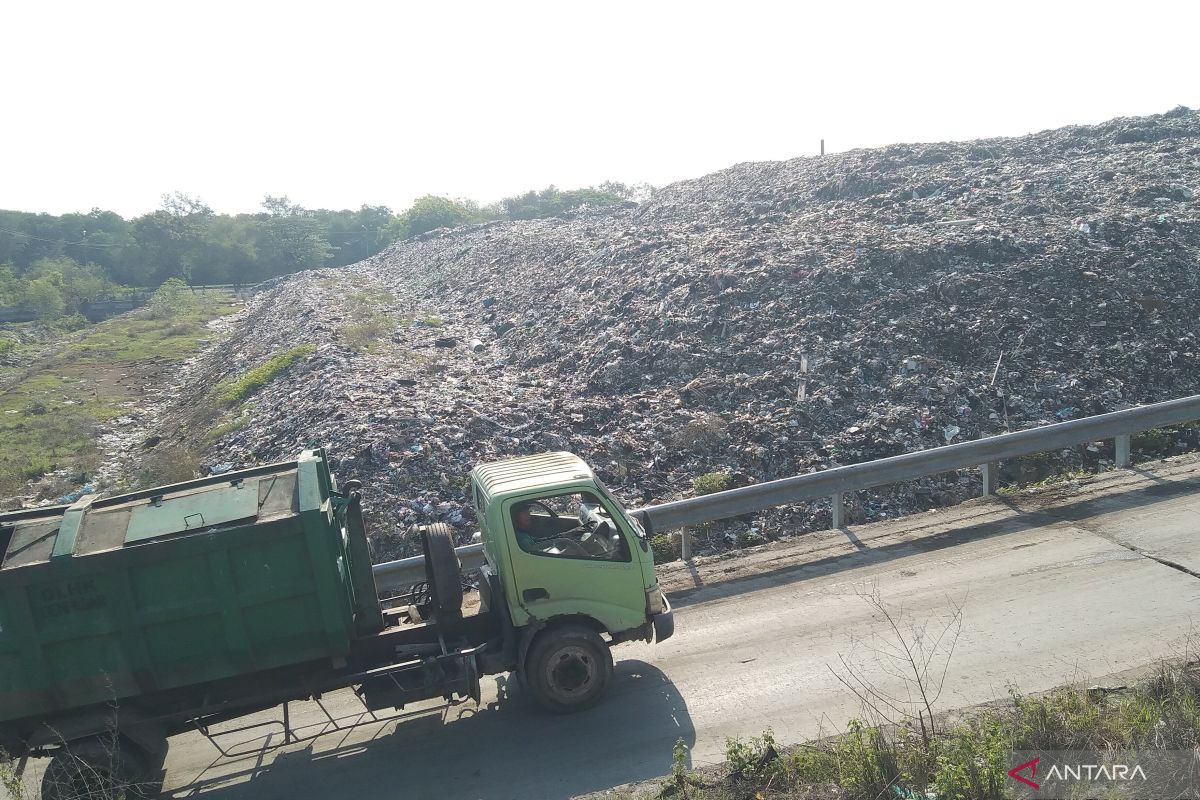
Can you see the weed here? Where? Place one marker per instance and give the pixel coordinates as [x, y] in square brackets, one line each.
[10, 778]
[967, 759]
[711, 483]
[225, 428]
[367, 331]
[681, 783]
[665, 548]
[705, 433]
[232, 392]
[755, 758]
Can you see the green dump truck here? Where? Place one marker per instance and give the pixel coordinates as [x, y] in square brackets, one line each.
[129, 619]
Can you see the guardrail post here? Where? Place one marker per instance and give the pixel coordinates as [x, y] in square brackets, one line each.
[991, 477]
[839, 510]
[1123, 459]
[685, 544]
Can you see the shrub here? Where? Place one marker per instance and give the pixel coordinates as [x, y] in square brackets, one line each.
[231, 392]
[665, 549]
[711, 483]
[173, 299]
[45, 297]
[71, 322]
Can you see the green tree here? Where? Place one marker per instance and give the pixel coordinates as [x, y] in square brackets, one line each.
[430, 213]
[12, 287]
[45, 297]
[79, 283]
[172, 239]
[354, 235]
[552, 201]
[290, 238]
[230, 250]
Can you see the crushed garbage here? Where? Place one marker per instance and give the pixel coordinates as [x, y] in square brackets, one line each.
[767, 320]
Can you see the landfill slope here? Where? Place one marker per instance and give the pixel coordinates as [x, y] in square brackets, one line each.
[766, 320]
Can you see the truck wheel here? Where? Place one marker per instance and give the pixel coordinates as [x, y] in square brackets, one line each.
[568, 668]
[444, 572]
[99, 769]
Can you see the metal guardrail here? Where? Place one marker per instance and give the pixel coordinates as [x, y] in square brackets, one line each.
[985, 453]
[399, 575]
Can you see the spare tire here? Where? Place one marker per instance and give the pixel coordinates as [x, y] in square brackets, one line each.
[443, 571]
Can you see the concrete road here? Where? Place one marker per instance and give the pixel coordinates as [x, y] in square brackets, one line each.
[1097, 584]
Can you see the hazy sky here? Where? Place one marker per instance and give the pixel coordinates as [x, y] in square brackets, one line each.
[343, 103]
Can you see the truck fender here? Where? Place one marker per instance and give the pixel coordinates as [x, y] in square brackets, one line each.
[530, 632]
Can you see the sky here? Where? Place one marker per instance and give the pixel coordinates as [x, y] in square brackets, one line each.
[341, 104]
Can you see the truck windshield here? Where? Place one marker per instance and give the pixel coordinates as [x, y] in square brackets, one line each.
[625, 516]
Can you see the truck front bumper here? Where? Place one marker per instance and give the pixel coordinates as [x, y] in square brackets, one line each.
[664, 622]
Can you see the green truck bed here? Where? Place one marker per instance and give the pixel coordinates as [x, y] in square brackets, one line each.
[182, 585]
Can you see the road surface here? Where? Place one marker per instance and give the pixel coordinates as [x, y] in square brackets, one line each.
[1098, 584]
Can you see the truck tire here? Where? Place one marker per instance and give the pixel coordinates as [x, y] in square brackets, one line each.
[100, 769]
[444, 572]
[568, 668]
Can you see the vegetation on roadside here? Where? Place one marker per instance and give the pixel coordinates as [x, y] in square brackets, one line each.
[233, 391]
[966, 760]
[10, 780]
[665, 547]
[711, 483]
[903, 746]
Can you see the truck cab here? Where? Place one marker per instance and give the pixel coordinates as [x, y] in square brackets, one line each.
[569, 569]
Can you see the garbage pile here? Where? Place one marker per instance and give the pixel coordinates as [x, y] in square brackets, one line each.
[763, 321]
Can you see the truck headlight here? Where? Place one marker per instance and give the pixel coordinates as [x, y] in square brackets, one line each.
[654, 600]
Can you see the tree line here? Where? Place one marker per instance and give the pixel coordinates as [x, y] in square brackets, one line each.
[62, 261]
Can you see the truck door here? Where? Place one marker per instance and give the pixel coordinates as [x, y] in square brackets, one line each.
[570, 556]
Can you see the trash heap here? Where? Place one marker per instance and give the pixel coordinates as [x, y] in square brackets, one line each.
[763, 321]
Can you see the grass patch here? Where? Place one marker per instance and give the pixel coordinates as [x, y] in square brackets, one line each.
[52, 409]
[233, 392]
[367, 331]
[225, 428]
[1057, 479]
[967, 759]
